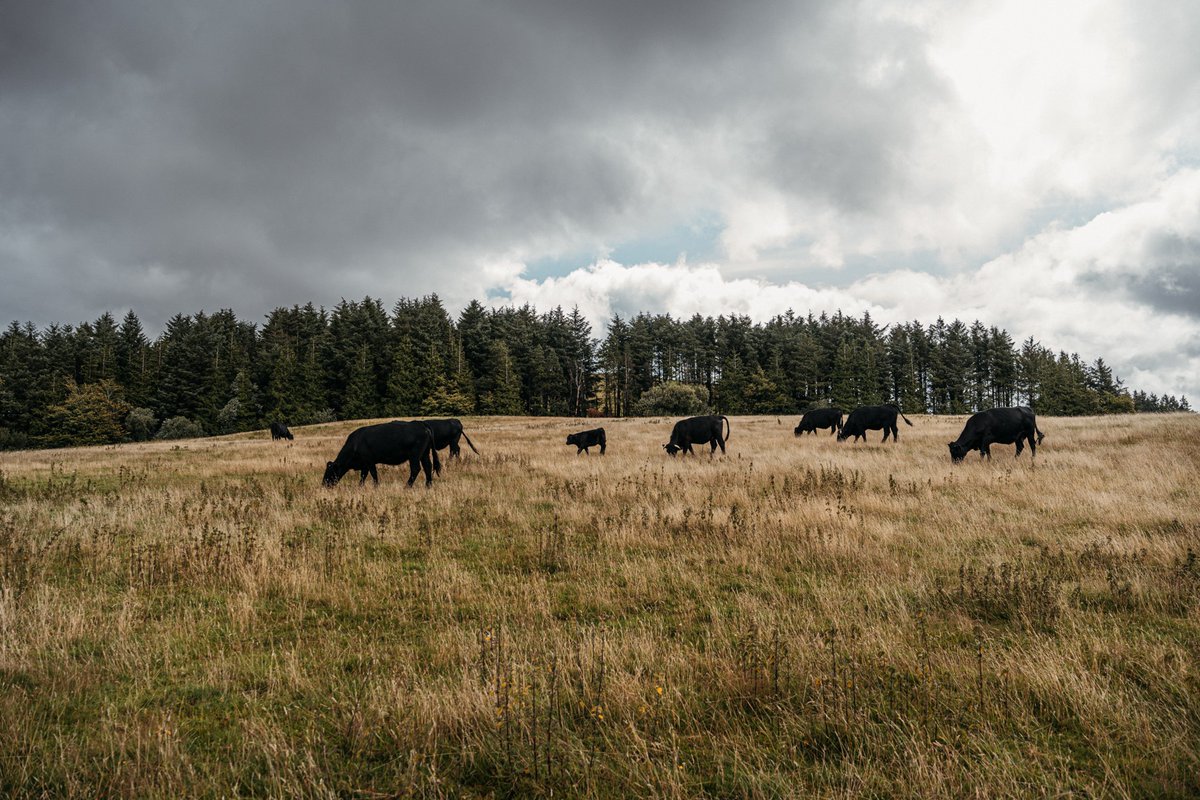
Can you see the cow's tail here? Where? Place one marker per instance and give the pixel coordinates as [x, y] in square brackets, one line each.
[901, 413]
[1040, 435]
[468, 438]
[431, 444]
[728, 427]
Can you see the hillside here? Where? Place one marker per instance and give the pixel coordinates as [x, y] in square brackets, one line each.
[800, 617]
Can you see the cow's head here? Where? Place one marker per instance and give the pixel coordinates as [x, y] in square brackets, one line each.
[957, 452]
[331, 475]
[671, 448]
[843, 435]
[573, 439]
[797, 431]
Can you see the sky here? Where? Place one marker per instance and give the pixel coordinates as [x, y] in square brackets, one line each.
[1033, 165]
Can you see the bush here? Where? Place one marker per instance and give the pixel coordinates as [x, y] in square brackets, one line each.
[447, 402]
[141, 424]
[91, 414]
[13, 440]
[179, 428]
[672, 399]
[319, 417]
[228, 417]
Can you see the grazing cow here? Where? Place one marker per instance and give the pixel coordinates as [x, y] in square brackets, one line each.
[997, 426]
[385, 443]
[280, 431]
[446, 433]
[820, 418]
[872, 418]
[699, 430]
[585, 439]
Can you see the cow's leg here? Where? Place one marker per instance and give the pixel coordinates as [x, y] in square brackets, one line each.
[1032, 446]
[985, 447]
[721, 442]
[454, 448]
[1020, 446]
[374, 475]
[437, 462]
[603, 446]
[414, 468]
[363, 476]
[886, 432]
[426, 463]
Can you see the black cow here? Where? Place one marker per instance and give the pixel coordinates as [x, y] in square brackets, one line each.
[385, 443]
[872, 418]
[280, 431]
[997, 426]
[698, 430]
[446, 433]
[585, 439]
[820, 418]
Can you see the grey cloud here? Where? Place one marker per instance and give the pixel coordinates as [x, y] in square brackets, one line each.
[172, 155]
[1167, 278]
[245, 146]
[1173, 288]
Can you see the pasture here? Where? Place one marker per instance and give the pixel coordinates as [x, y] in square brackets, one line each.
[798, 618]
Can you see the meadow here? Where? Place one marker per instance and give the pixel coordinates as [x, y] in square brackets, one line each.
[798, 618]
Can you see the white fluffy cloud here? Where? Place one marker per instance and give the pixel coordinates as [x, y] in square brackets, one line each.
[1124, 286]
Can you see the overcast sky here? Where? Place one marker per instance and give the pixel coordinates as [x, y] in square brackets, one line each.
[1034, 165]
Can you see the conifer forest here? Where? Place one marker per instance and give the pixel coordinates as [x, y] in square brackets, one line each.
[213, 373]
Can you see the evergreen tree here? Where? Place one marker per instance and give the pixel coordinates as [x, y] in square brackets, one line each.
[761, 394]
[91, 414]
[406, 386]
[130, 355]
[361, 401]
[503, 393]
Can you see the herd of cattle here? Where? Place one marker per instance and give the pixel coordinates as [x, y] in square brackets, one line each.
[417, 443]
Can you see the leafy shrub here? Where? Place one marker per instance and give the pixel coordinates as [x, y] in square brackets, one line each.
[179, 428]
[91, 414]
[141, 424]
[316, 418]
[447, 401]
[671, 399]
[228, 417]
[13, 440]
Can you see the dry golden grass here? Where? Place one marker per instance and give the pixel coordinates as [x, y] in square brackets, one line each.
[798, 618]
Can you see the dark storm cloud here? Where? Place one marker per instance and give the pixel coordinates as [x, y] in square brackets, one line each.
[1169, 280]
[172, 156]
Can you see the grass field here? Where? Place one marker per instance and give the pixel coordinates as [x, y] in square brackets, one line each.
[798, 618]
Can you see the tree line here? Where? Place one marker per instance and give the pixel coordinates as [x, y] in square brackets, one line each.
[107, 381]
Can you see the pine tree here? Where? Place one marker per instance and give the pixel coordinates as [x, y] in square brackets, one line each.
[360, 401]
[130, 357]
[761, 395]
[405, 385]
[503, 395]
